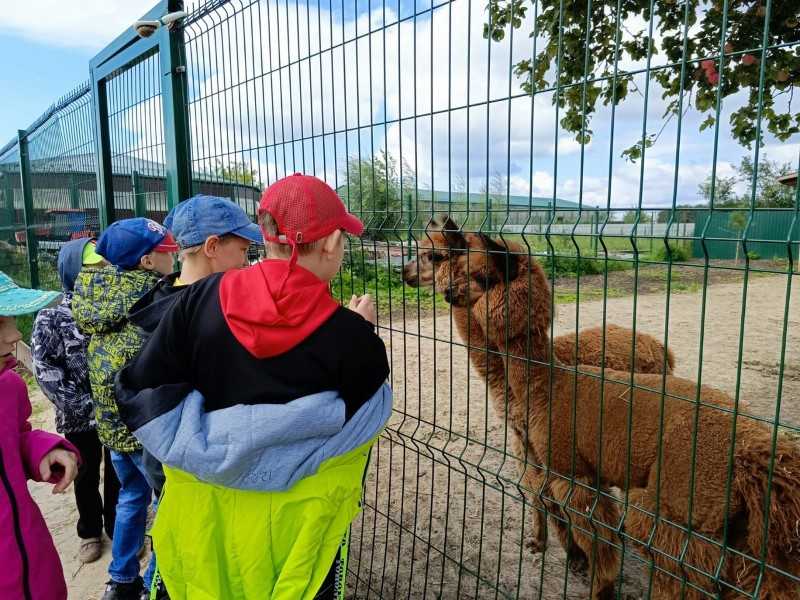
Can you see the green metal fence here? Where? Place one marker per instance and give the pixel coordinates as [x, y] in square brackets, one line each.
[538, 124]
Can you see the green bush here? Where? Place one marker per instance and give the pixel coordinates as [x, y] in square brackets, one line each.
[572, 266]
[677, 253]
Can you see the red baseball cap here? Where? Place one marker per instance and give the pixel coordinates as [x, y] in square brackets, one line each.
[167, 245]
[306, 209]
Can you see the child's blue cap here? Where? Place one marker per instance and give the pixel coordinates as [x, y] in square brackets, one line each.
[125, 242]
[15, 300]
[194, 220]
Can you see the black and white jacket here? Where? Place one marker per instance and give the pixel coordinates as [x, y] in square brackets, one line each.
[60, 367]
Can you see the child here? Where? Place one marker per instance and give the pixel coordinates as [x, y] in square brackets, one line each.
[140, 252]
[213, 235]
[59, 364]
[31, 567]
[266, 457]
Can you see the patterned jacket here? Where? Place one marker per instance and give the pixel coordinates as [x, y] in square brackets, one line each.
[60, 367]
[100, 306]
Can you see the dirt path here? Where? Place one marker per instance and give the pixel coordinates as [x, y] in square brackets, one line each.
[441, 489]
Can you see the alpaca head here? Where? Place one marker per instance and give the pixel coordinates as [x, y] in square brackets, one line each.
[461, 266]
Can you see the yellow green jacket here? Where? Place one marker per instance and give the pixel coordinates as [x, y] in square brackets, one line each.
[217, 543]
[100, 307]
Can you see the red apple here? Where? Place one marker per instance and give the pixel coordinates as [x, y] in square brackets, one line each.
[748, 60]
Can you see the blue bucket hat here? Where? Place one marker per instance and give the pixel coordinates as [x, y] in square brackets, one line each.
[15, 300]
[194, 220]
[125, 242]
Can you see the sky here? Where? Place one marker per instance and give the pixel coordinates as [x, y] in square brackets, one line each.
[252, 85]
[46, 46]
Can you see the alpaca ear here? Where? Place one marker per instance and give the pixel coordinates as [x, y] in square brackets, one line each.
[452, 232]
[505, 264]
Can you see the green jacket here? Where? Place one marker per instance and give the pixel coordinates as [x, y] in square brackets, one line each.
[247, 545]
[100, 307]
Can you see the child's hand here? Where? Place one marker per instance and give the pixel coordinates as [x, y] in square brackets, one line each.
[365, 306]
[62, 464]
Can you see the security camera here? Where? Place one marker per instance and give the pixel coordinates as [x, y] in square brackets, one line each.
[146, 28]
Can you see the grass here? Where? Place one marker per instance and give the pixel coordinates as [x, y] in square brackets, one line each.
[359, 276]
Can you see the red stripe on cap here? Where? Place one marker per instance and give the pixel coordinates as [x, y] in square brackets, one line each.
[168, 244]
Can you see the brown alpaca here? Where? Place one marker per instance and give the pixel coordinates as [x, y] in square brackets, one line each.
[485, 358]
[645, 446]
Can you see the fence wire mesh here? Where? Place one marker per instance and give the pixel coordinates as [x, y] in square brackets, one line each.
[618, 180]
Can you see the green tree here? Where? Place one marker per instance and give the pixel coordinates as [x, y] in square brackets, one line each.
[378, 191]
[237, 172]
[630, 217]
[372, 185]
[770, 193]
[724, 191]
[561, 28]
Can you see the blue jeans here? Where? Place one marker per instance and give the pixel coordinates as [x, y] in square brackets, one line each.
[129, 528]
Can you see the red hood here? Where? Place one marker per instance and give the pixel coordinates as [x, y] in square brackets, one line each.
[270, 309]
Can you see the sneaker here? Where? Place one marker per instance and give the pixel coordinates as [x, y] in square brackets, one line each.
[124, 591]
[91, 549]
[161, 592]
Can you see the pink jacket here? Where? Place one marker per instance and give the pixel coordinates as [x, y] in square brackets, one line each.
[31, 569]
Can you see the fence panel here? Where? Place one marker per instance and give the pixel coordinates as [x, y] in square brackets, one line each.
[12, 226]
[136, 133]
[63, 180]
[409, 111]
[536, 127]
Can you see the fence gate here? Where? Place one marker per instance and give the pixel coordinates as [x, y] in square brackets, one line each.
[140, 122]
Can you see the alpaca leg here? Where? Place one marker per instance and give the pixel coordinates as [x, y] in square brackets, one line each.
[593, 536]
[666, 546]
[576, 558]
[533, 487]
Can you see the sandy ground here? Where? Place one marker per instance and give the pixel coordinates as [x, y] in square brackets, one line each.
[443, 518]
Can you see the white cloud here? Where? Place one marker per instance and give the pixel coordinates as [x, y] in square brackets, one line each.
[89, 24]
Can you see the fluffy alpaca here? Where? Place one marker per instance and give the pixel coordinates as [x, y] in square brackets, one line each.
[485, 358]
[555, 408]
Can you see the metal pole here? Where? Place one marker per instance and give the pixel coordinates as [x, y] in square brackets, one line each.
[172, 55]
[105, 177]
[74, 192]
[139, 198]
[27, 203]
[7, 209]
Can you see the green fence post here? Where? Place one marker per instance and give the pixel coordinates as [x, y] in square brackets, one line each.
[74, 192]
[139, 198]
[105, 177]
[409, 239]
[27, 203]
[172, 54]
[7, 209]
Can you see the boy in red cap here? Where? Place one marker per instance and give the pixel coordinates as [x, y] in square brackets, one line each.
[140, 252]
[262, 396]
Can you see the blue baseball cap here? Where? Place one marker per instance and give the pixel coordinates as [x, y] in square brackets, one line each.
[125, 242]
[194, 220]
[15, 300]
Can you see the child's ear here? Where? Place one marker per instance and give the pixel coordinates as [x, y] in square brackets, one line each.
[210, 246]
[332, 242]
[146, 262]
